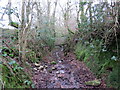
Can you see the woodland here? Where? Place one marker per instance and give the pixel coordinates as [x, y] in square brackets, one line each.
[60, 44]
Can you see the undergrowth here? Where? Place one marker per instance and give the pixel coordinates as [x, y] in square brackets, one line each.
[12, 73]
[102, 61]
[14, 76]
[98, 44]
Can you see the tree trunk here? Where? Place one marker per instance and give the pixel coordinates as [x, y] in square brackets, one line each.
[54, 13]
[9, 10]
[21, 36]
[90, 15]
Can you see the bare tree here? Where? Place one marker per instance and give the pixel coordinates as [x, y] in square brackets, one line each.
[25, 28]
[54, 14]
[9, 11]
[21, 55]
[48, 11]
[78, 14]
[67, 14]
[90, 15]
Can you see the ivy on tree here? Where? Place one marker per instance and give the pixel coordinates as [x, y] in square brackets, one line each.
[14, 24]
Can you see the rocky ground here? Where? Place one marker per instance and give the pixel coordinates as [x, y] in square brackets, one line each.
[59, 71]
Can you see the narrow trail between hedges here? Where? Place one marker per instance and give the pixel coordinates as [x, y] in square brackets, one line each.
[59, 71]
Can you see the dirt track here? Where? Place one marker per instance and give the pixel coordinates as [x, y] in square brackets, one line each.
[64, 72]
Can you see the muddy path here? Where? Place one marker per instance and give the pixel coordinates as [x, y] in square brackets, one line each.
[59, 71]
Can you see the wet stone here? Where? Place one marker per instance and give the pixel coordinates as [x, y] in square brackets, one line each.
[35, 69]
[37, 64]
[41, 68]
[59, 61]
[54, 68]
[62, 71]
[57, 72]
